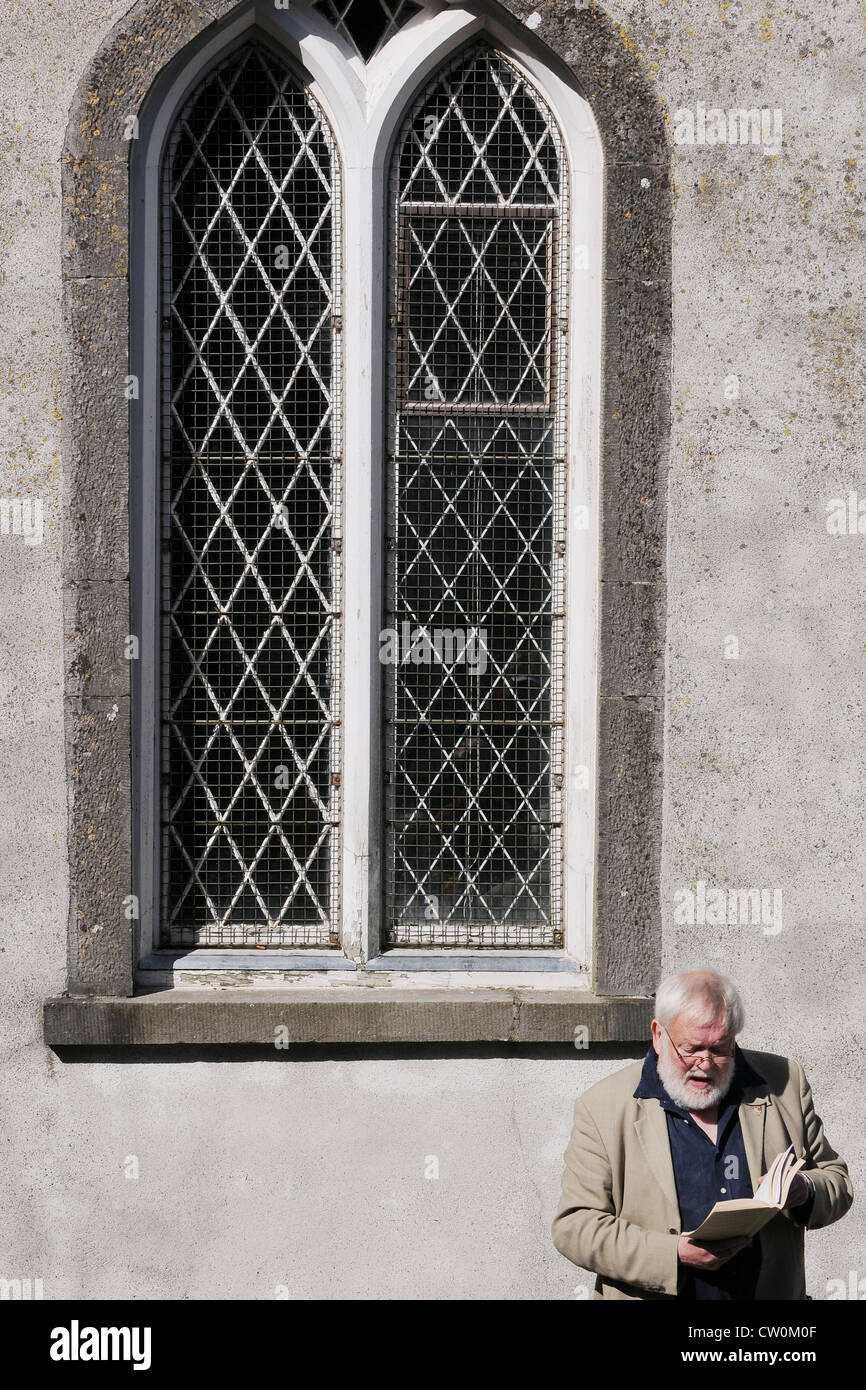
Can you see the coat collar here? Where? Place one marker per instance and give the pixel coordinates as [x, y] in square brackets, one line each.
[748, 1089]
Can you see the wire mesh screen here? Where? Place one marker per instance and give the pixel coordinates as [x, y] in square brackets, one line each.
[476, 515]
[251, 514]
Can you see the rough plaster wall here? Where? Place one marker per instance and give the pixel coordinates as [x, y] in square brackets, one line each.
[311, 1173]
[764, 776]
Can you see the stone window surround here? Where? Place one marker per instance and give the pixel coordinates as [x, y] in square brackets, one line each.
[101, 1006]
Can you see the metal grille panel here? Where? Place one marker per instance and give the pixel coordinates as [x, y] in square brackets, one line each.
[476, 515]
[251, 514]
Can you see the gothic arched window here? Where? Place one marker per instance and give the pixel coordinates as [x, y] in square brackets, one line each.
[367, 718]
[363, 665]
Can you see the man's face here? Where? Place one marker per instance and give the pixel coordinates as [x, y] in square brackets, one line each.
[696, 1079]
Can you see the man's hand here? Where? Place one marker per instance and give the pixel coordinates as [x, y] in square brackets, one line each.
[711, 1254]
[798, 1193]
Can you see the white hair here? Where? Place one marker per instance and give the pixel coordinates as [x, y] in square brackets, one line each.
[678, 992]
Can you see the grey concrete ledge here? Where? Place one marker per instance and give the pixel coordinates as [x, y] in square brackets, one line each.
[346, 1015]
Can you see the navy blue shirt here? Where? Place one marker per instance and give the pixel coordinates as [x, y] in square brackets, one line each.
[706, 1173]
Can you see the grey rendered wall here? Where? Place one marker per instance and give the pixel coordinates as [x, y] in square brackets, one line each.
[239, 1160]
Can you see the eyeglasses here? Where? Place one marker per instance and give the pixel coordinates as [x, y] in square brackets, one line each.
[689, 1054]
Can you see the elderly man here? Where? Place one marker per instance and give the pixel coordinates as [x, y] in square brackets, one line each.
[656, 1145]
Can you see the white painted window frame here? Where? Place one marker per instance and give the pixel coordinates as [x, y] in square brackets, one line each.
[366, 106]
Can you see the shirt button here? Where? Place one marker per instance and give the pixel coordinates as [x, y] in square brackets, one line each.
[723, 1189]
[672, 1231]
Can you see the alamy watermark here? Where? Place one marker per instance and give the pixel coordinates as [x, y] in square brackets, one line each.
[854, 1287]
[77, 1343]
[441, 646]
[716, 907]
[21, 1290]
[710, 125]
[22, 516]
[846, 516]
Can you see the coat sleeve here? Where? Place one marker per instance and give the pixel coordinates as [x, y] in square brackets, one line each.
[834, 1192]
[587, 1230]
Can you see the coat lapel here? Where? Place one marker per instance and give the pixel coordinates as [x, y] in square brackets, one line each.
[753, 1115]
[651, 1128]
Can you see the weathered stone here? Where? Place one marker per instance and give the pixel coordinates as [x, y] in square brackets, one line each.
[636, 426]
[344, 1016]
[627, 939]
[604, 61]
[95, 431]
[100, 831]
[139, 46]
[632, 656]
[637, 222]
[95, 216]
[548, 1016]
[96, 626]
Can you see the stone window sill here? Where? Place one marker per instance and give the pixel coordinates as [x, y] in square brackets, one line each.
[338, 1013]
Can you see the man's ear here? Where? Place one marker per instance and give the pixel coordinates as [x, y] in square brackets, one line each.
[657, 1035]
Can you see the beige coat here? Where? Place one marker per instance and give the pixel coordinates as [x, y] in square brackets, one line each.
[618, 1214]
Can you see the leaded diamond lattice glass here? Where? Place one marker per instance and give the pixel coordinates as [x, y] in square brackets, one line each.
[250, 500]
[476, 514]
[367, 24]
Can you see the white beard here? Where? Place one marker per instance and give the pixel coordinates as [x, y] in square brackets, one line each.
[673, 1078]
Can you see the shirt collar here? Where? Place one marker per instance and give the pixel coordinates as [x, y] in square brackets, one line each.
[650, 1085]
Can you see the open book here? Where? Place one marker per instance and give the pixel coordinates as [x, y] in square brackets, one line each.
[745, 1216]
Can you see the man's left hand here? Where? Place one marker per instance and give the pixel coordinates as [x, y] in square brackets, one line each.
[798, 1193]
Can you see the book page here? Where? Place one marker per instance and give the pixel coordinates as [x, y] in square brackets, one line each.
[770, 1188]
[729, 1219]
[745, 1216]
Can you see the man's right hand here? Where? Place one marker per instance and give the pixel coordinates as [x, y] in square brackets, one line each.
[711, 1254]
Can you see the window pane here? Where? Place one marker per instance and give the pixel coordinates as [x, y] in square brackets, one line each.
[250, 514]
[476, 515]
